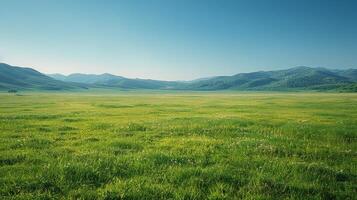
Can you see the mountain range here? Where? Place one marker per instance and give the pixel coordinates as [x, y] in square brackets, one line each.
[23, 78]
[113, 81]
[297, 78]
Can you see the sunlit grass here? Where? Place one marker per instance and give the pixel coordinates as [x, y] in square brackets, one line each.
[178, 146]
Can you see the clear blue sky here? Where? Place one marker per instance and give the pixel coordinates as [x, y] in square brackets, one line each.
[177, 39]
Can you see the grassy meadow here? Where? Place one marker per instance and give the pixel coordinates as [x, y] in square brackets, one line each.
[135, 145]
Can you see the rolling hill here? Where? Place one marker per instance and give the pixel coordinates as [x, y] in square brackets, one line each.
[294, 78]
[86, 78]
[20, 78]
[297, 78]
[349, 73]
[110, 80]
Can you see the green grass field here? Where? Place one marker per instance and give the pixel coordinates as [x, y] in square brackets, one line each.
[178, 146]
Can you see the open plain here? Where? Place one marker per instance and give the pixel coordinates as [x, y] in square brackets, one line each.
[171, 145]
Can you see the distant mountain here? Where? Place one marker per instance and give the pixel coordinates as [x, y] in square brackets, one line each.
[294, 78]
[57, 76]
[87, 78]
[349, 73]
[110, 80]
[297, 78]
[12, 77]
[198, 80]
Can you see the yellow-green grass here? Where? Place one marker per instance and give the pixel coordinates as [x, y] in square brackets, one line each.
[173, 145]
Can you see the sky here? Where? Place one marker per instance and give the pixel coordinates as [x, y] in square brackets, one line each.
[177, 39]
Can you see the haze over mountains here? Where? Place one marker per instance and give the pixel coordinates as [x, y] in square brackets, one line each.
[110, 80]
[297, 78]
